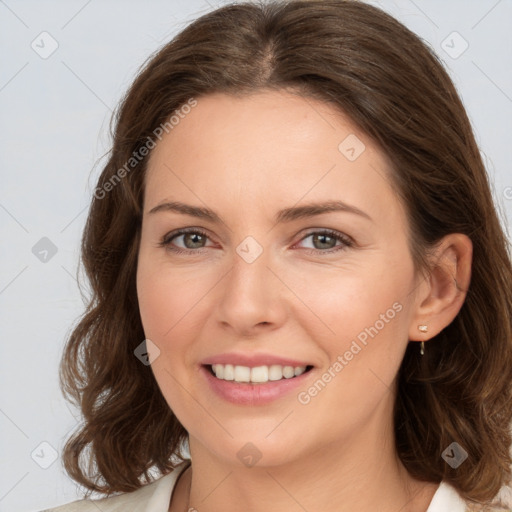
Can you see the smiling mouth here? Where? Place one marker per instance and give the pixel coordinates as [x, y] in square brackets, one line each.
[257, 374]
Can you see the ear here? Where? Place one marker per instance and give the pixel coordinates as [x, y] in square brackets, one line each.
[441, 295]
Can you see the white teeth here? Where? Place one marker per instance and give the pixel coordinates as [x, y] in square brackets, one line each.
[257, 374]
[219, 370]
[229, 372]
[288, 372]
[242, 374]
[275, 372]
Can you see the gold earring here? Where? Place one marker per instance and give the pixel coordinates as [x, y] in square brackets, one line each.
[422, 328]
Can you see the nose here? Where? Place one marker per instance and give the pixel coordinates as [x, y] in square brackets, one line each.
[252, 297]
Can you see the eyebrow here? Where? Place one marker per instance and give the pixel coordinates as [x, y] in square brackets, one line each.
[285, 215]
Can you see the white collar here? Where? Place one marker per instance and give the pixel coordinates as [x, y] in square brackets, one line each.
[446, 499]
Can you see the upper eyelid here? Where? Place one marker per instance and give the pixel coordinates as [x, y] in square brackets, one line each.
[184, 231]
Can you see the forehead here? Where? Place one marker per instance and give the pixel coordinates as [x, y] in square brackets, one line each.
[270, 148]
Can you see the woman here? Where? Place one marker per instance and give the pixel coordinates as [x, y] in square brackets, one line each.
[298, 275]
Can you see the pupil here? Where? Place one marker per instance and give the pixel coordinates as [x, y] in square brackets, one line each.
[323, 237]
[192, 235]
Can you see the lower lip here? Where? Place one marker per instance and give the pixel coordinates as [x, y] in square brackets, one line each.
[252, 394]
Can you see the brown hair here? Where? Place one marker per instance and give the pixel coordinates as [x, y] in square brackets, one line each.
[393, 87]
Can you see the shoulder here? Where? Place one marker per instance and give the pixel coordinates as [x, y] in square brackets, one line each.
[157, 495]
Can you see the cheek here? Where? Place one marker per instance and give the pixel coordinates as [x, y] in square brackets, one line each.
[345, 302]
[166, 298]
[363, 359]
[166, 305]
[172, 309]
[365, 316]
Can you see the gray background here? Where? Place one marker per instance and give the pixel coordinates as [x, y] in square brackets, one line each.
[54, 121]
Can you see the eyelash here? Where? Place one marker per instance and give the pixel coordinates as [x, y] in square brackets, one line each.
[167, 239]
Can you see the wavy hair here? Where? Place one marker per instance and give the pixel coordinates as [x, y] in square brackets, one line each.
[392, 86]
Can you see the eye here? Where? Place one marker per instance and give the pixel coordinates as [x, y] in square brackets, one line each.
[192, 238]
[324, 241]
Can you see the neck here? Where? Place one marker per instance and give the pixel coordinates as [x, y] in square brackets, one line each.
[354, 474]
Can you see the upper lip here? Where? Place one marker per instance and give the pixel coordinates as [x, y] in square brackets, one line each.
[252, 360]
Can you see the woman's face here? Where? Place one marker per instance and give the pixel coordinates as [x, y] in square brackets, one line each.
[258, 284]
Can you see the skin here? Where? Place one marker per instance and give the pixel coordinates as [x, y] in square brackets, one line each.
[246, 158]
